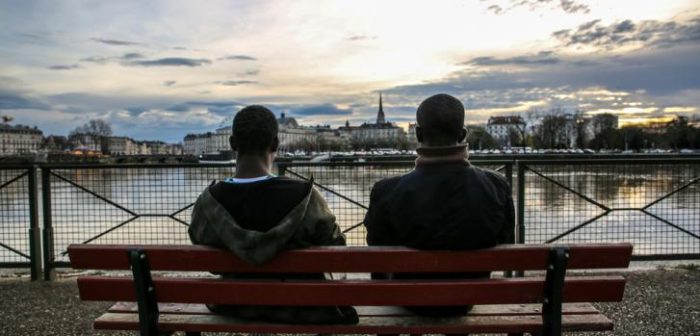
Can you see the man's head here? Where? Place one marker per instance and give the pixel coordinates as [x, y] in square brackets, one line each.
[254, 131]
[440, 121]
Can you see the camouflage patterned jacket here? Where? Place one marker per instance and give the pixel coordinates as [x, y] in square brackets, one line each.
[309, 223]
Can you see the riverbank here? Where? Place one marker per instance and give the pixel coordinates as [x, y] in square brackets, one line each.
[663, 301]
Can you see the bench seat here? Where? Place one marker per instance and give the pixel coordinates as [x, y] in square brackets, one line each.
[518, 318]
[537, 305]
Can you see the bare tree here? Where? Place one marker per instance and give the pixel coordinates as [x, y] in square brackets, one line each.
[552, 132]
[97, 130]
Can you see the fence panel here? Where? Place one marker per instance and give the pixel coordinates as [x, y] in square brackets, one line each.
[120, 204]
[18, 219]
[655, 204]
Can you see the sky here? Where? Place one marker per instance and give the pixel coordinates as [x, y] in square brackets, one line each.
[162, 69]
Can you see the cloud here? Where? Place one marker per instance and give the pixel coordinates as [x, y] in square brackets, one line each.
[640, 81]
[571, 6]
[169, 83]
[116, 42]
[63, 67]
[12, 97]
[103, 60]
[238, 58]
[322, 109]
[95, 59]
[170, 61]
[496, 9]
[250, 72]
[130, 56]
[568, 6]
[13, 101]
[216, 106]
[134, 111]
[361, 37]
[237, 82]
[542, 58]
[623, 33]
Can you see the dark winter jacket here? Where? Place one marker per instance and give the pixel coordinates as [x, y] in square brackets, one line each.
[257, 221]
[445, 203]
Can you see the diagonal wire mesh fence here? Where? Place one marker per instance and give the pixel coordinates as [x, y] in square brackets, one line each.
[14, 216]
[655, 204]
[131, 204]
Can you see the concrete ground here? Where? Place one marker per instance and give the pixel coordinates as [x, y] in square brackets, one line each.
[662, 301]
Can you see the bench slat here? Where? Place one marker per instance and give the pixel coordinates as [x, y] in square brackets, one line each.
[480, 310]
[360, 293]
[367, 325]
[354, 259]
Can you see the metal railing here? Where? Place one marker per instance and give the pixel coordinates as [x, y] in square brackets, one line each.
[653, 203]
[119, 204]
[19, 225]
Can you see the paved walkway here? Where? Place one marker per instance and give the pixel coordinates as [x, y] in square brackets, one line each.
[658, 302]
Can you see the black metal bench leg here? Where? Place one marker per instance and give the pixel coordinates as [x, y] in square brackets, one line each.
[553, 291]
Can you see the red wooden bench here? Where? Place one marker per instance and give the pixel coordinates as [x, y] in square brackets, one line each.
[538, 305]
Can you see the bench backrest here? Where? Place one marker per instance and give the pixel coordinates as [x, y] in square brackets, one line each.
[354, 260]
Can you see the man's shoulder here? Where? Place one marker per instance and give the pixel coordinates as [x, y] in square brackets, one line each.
[493, 176]
[387, 183]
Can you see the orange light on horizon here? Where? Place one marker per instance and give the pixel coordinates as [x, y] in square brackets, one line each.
[646, 121]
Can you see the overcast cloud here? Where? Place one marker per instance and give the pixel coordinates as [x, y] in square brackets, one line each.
[176, 67]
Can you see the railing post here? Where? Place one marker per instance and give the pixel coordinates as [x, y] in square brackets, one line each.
[520, 234]
[34, 230]
[48, 228]
[520, 217]
[509, 173]
[281, 169]
[509, 177]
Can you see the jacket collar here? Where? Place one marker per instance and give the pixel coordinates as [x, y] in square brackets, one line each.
[442, 155]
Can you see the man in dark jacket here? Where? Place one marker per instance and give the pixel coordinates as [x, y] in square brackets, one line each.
[257, 215]
[445, 203]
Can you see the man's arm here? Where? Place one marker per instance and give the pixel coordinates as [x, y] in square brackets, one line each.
[378, 232]
[377, 229]
[507, 235]
[326, 230]
[199, 232]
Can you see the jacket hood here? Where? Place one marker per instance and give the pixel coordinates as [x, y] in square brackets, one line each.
[252, 246]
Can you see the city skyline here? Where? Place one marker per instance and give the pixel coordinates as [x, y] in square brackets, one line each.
[164, 69]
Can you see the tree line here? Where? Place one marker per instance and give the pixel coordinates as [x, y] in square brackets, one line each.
[558, 130]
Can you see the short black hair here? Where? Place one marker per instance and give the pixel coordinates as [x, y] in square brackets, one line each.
[254, 130]
[441, 118]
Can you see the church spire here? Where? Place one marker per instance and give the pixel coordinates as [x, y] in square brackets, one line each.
[380, 113]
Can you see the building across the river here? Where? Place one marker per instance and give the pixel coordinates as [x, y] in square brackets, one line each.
[500, 128]
[19, 139]
[293, 136]
[381, 133]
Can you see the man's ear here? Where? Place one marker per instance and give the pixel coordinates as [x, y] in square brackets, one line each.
[462, 135]
[419, 134]
[275, 144]
[232, 141]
